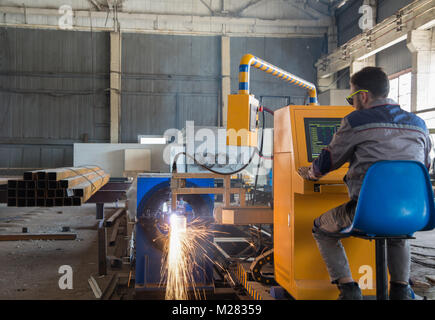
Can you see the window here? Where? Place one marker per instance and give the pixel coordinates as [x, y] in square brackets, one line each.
[400, 89]
[151, 139]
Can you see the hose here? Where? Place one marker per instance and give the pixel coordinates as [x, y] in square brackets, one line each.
[260, 153]
[174, 164]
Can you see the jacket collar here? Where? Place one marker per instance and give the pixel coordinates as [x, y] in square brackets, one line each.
[383, 102]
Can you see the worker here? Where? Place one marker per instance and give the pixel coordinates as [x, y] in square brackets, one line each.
[377, 130]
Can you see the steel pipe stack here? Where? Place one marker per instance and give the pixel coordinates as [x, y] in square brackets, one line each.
[56, 187]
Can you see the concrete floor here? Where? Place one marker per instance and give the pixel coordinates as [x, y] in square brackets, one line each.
[29, 269]
[423, 250]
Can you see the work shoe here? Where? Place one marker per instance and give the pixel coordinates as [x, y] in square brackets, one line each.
[349, 291]
[400, 291]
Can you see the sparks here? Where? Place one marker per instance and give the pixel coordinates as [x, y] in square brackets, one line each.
[185, 243]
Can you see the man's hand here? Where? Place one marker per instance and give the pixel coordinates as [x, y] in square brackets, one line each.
[307, 173]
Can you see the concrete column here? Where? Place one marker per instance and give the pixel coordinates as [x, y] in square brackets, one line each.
[115, 87]
[226, 79]
[358, 65]
[421, 43]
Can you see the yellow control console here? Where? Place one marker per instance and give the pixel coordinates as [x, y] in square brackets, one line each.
[242, 120]
[300, 132]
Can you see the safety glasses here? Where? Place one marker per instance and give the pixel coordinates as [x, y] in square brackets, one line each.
[349, 99]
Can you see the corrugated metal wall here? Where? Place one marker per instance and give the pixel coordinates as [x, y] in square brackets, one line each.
[294, 55]
[387, 8]
[347, 19]
[168, 80]
[54, 87]
[395, 58]
[52, 93]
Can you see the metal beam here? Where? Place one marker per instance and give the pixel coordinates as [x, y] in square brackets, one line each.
[96, 4]
[310, 6]
[165, 24]
[419, 15]
[307, 9]
[251, 3]
[208, 7]
[226, 76]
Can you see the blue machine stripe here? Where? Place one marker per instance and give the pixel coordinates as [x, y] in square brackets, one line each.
[243, 86]
[243, 68]
[385, 115]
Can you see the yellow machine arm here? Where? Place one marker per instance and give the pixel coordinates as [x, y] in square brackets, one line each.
[242, 113]
[249, 60]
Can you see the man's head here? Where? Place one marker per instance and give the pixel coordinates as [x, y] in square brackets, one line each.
[372, 83]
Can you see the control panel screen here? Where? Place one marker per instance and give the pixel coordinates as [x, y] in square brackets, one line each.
[319, 133]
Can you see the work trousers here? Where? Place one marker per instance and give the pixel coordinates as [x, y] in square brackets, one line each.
[326, 232]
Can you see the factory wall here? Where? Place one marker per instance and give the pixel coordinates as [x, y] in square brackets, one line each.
[395, 58]
[52, 93]
[387, 8]
[347, 17]
[343, 79]
[54, 87]
[167, 80]
[392, 60]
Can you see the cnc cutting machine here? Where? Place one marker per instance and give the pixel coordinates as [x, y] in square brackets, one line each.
[300, 133]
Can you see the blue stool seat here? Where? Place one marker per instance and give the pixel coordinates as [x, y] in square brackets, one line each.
[396, 200]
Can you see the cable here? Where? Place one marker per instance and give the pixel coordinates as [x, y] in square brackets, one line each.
[261, 152]
[335, 81]
[174, 164]
[263, 108]
[272, 113]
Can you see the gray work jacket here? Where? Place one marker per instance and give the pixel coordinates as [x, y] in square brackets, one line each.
[382, 132]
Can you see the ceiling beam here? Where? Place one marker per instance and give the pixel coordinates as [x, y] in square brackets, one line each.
[96, 4]
[168, 24]
[208, 7]
[251, 3]
[418, 15]
[322, 13]
[306, 8]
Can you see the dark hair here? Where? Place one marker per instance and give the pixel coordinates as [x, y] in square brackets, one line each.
[373, 79]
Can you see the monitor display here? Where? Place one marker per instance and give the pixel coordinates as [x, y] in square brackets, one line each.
[319, 133]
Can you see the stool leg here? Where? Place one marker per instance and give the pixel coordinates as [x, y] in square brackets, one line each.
[381, 270]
